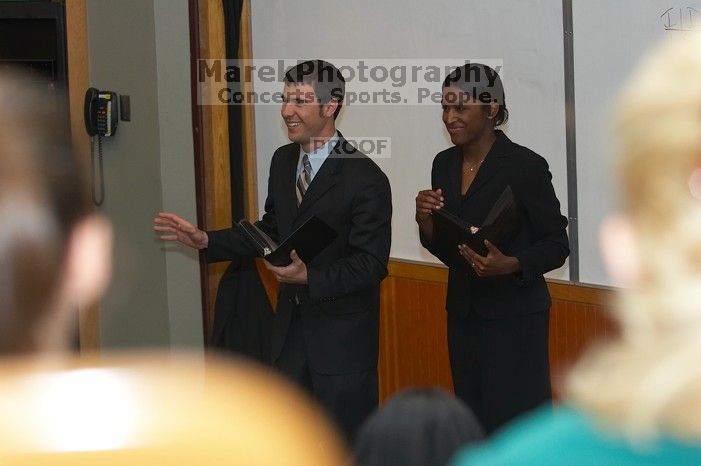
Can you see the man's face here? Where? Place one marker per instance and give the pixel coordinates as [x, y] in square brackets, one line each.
[303, 114]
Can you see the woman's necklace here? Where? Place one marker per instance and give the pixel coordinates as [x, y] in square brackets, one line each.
[474, 166]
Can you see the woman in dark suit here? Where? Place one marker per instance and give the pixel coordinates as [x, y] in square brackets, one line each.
[498, 304]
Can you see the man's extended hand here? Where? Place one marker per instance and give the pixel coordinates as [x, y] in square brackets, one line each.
[171, 227]
[493, 264]
[295, 273]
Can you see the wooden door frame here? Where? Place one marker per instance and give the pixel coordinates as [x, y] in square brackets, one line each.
[211, 140]
[78, 82]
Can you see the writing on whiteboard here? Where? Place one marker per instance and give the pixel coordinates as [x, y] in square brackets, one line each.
[680, 19]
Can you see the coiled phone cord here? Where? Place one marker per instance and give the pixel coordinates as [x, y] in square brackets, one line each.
[97, 199]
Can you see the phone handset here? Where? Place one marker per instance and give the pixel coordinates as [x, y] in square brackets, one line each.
[101, 117]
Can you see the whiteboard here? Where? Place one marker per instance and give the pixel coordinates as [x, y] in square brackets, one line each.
[609, 39]
[526, 36]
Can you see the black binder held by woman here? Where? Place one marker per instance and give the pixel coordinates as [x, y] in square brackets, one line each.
[499, 227]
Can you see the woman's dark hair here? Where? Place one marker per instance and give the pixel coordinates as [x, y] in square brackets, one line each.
[483, 84]
[42, 198]
[418, 427]
[326, 79]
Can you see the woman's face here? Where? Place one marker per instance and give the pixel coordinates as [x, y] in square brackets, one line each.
[465, 119]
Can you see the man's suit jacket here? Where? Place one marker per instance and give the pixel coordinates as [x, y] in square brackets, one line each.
[339, 307]
[541, 244]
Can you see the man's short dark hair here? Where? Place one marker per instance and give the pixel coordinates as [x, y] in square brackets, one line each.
[326, 79]
[418, 426]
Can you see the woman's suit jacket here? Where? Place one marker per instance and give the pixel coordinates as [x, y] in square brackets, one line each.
[540, 245]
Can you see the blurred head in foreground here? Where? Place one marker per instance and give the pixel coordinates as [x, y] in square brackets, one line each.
[54, 252]
[140, 410]
[417, 427]
[649, 380]
[158, 410]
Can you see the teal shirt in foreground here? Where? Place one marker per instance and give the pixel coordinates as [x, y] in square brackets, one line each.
[564, 437]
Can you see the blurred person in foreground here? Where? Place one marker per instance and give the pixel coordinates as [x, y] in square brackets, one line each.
[116, 410]
[417, 427]
[637, 399]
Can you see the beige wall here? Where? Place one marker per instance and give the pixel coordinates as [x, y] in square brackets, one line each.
[141, 48]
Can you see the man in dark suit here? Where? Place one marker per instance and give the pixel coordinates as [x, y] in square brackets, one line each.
[325, 331]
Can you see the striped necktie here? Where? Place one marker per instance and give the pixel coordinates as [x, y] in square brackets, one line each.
[304, 179]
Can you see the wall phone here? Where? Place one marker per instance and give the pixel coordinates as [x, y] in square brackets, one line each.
[101, 117]
[101, 112]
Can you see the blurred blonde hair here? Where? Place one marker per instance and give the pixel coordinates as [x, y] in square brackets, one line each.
[158, 409]
[648, 381]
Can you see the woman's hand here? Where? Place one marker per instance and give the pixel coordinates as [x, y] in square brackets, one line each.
[426, 201]
[493, 264]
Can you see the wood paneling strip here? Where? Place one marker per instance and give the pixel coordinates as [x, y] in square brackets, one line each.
[413, 343]
[249, 133]
[217, 175]
[574, 327]
[589, 294]
[418, 271]
[216, 202]
[216, 126]
[78, 83]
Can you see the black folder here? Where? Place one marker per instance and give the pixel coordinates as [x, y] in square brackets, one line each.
[499, 227]
[309, 239]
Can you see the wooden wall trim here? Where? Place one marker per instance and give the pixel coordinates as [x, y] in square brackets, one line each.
[418, 271]
[213, 176]
[579, 293]
[413, 343]
[216, 130]
[78, 82]
[198, 139]
[566, 291]
[216, 176]
[249, 130]
[78, 73]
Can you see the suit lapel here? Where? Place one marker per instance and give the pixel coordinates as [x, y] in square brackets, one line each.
[288, 195]
[489, 168]
[456, 174]
[325, 179]
[492, 164]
